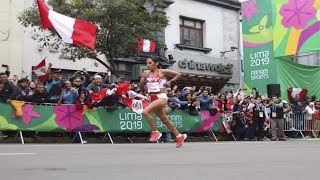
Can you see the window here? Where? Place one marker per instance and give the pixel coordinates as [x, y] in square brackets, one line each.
[191, 32]
[160, 37]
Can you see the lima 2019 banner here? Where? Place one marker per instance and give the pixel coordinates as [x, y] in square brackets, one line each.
[68, 118]
[272, 31]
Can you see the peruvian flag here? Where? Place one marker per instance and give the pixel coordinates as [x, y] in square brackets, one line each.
[40, 70]
[146, 45]
[97, 97]
[71, 30]
[302, 92]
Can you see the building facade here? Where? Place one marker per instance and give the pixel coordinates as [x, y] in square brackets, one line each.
[204, 39]
[11, 36]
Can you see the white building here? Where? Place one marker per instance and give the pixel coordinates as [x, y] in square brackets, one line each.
[11, 36]
[210, 27]
[206, 32]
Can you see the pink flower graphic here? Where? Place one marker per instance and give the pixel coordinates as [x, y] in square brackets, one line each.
[249, 9]
[28, 114]
[297, 13]
[68, 116]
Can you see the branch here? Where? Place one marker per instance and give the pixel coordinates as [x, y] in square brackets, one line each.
[108, 67]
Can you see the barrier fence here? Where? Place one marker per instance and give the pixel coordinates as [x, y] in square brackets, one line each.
[67, 118]
[302, 123]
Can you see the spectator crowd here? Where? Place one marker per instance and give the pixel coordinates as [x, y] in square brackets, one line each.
[248, 117]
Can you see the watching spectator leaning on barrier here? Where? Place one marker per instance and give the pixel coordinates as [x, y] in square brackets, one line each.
[195, 107]
[78, 85]
[171, 105]
[82, 101]
[179, 99]
[276, 119]
[96, 86]
[221, 103]
[206, 102]
[40, 95]
[54, 84]
[68, 94]
[8, 91]
[188, 98]
[24, 92]
[33, 86]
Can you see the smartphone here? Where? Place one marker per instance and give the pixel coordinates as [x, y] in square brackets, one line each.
[175, 87]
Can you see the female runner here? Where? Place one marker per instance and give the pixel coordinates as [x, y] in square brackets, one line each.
[156, 81]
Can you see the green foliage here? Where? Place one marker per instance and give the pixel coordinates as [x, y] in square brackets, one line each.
[120, 23]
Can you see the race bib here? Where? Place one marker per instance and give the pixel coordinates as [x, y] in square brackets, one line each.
[274, 114]
[137, 106]
[153, 87]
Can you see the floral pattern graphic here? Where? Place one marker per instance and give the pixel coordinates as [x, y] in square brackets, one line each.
[28, 114]
[68, 116]
[209, 121]
[249, 9]
[297, 13]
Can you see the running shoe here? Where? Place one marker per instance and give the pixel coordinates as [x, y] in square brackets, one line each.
[155, 136]
[180, 139]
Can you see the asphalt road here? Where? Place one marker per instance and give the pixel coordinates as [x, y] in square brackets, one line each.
[227, 160]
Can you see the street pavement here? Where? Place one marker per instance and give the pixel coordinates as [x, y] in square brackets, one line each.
[211, 160]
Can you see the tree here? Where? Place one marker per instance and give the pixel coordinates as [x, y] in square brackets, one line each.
[120, 23]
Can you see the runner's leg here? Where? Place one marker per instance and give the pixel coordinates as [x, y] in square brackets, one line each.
[160, 112]
[147, 114]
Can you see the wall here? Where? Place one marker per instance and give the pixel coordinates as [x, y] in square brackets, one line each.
[11, 35]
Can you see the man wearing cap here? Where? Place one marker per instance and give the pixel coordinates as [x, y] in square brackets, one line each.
[96, 86]
[54, 84]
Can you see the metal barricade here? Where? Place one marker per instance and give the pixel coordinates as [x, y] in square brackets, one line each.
[302, 123]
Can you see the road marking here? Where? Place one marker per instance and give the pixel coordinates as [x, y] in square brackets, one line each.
[15, 154]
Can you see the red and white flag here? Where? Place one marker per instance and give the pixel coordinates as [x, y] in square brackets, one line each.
[40, 70]
[146, 45]
[71, 30]
[293, 92]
